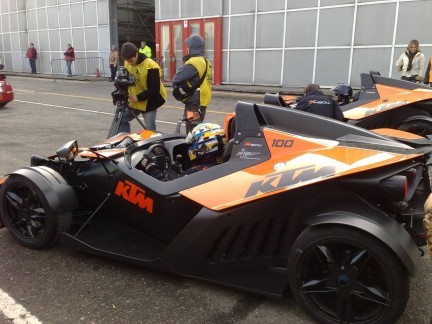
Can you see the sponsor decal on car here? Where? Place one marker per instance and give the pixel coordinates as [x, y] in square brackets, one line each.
[250, 144]
[248, 155]
[282, 143]
[384, 107]
[135, 195]
[289, 178]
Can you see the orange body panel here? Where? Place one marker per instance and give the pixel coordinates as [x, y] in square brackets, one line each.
[302, 162]
[396, 133]
[2, 180]
[390, 98]
[289, 99]
[106, 153]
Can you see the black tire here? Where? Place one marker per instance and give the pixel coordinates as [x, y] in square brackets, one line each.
[26, 214]
[419, 127]
[2, 104]
[344, 275]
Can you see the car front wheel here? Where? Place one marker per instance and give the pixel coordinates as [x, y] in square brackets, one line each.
[344, 275]
[26, 214]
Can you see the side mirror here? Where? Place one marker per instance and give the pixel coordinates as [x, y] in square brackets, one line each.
[68, 151]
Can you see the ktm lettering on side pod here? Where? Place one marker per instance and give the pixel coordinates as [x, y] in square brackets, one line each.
[289, 178]
[135, 195]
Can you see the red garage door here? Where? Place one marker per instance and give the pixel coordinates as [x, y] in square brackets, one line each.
[170, 46]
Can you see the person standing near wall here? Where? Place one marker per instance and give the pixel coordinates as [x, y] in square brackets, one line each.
[148, 93]
[411, 63]
[69, 57]
[145, 49]
[32, 56]
[113, 61]
[192, 82]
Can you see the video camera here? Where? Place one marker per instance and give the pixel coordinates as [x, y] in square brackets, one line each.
[122, 81]
[120, 99]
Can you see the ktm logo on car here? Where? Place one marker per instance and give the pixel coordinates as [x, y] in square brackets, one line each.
[289, 178]
[135, 195]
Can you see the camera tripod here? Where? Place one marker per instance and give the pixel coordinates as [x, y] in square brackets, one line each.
[121, 106]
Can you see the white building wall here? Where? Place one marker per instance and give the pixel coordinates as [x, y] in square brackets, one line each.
[295, 42]
[51, 25]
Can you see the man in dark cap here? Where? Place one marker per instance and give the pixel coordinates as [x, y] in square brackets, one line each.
[316, 102]
[148, 93]
[193, 80]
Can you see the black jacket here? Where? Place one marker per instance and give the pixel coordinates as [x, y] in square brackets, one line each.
[318, 103]
[426, 79]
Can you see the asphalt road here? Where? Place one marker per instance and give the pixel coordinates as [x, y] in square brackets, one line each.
[60, 285]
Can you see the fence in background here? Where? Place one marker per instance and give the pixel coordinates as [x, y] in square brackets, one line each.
[90, 66]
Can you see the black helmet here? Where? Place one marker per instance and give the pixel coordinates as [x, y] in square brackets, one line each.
[343, 92]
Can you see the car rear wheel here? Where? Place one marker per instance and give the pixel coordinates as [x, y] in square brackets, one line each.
[343, 275]
[419, 127]
[26, 214]
[2, 104]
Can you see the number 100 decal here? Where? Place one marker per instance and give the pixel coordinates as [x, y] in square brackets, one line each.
[282, 143]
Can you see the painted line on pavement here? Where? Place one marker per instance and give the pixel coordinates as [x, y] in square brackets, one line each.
[84, 110]
[103, 99]
[14, 312]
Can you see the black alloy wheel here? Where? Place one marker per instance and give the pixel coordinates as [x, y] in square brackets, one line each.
[26, 214]
[418, 127]
[344, 275]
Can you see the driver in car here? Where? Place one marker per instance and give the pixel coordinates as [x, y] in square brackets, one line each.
[206, 144]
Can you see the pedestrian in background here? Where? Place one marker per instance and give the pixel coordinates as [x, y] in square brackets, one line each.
[145, 49]
[69, 57]
[148, 93]
[32, 56]
[411, 63]
[113, 61]
[316, 102]
[192, 83]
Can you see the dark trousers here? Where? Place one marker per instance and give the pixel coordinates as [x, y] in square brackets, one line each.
[33, 65]
[113, 69]
[69, 67]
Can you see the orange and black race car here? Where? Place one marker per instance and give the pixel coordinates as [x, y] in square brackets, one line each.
[382, 102]
[387, 102]
[329, 210]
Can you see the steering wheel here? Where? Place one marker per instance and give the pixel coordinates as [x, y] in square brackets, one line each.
[157, 161]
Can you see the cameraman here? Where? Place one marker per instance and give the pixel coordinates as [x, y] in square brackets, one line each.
[148, 93]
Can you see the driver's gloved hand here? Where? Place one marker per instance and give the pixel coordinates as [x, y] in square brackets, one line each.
[145, 161]
[152, 169]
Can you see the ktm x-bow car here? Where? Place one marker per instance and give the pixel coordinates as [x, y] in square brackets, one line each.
[382, 102]
[329, 210]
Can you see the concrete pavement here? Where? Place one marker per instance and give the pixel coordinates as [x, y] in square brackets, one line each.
[223, 87]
